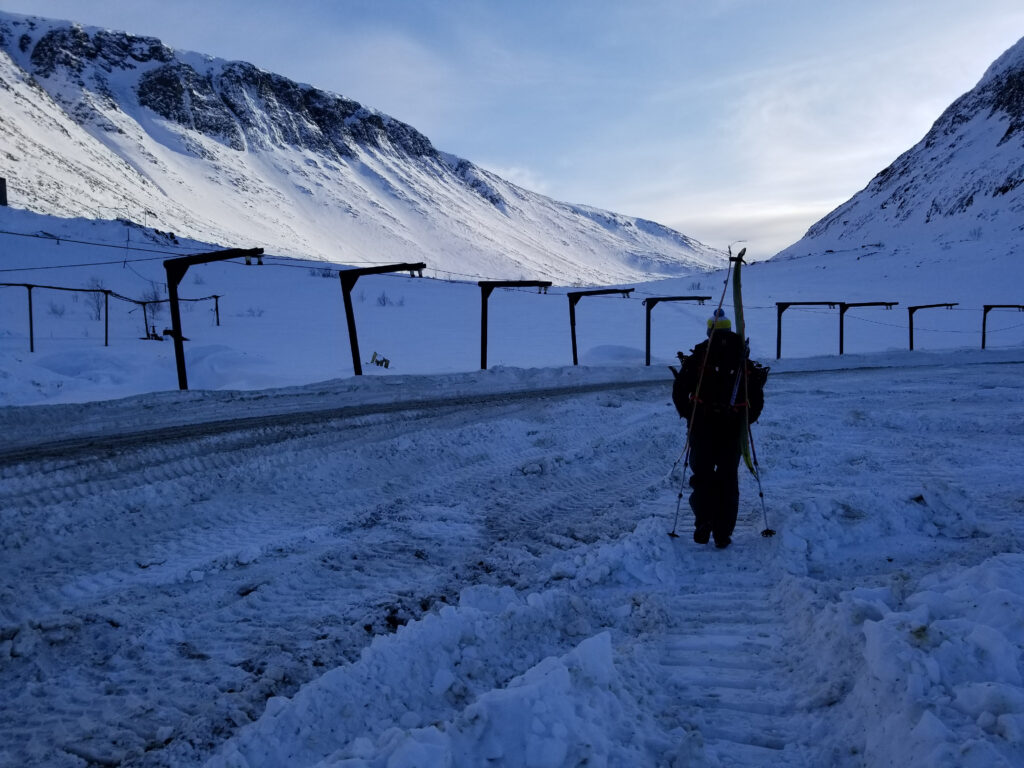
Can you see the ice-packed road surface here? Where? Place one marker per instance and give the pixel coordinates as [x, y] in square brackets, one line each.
[477, 579]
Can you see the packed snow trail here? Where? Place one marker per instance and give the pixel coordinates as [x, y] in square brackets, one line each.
[496, 583]
[724, 672]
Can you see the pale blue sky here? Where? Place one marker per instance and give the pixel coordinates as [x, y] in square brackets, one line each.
[726, 119]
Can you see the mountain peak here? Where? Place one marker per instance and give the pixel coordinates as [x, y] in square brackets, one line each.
[964, 181]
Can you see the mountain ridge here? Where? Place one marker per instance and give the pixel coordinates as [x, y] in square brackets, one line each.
[226, 152]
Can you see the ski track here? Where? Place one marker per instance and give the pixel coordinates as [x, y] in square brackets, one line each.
[723, 670]
[243, 565]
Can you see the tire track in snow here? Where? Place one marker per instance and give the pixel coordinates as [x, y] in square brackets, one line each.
[291, 539]
[110, 440]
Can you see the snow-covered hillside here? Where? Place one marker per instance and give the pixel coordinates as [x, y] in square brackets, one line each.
[961, 185]
[101, 124]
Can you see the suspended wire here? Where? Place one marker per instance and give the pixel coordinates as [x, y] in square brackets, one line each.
[831, 311]
[110, 293]
[301, 264]
[58, 239]
[313, 265]
[87, 264]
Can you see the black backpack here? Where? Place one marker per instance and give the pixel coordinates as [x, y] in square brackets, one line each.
[730, 382]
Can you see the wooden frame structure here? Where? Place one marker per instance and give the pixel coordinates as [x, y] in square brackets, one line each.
[843, 306]
[984, 316]
[654, 301]
[912, 310]
[782, 306]
[348, 279]
[31, 320]
[176, 269]
[486, 288]
[574, 299]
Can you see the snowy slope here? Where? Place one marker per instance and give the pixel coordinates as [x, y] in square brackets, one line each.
[101, 124]
[962, 185]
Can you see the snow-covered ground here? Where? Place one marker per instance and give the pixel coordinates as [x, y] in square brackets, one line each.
[487, 580]
[435, 565]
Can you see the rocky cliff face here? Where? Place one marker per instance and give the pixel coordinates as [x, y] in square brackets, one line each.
[225, 151]
[246, 107]
[963, 181]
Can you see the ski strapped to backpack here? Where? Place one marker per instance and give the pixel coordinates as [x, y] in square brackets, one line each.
[760, 373]
[737, 300]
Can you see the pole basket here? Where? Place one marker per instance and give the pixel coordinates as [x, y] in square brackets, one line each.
[767, 533]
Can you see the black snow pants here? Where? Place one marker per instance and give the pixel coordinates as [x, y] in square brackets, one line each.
[714, 460]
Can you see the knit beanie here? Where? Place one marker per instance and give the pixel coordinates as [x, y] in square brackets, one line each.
[718, 321]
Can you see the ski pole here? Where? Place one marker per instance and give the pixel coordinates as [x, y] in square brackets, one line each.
[767, 532]
[679, 499]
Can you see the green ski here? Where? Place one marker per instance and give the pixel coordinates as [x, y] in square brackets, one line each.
[746, 438]
[737, 300]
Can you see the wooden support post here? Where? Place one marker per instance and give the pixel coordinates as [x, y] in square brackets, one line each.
[650, 304]
[216, 308]
[176, 338]
[176, 269]
[347, 284]
[348, 279]
[912, 310]
[781, 307]
[106, 318]
[486, 288]
[573, 301]
[3, 192]
[574, 298]
[31, 326]
[485, 295]
[842, 314]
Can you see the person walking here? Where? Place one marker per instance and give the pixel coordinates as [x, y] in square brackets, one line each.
[719, 394]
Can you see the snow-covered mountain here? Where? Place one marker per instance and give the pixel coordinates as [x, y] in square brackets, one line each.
[102, 124]
[962, 183]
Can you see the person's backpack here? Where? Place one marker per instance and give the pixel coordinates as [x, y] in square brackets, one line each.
[730, 381]
[757, 375]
